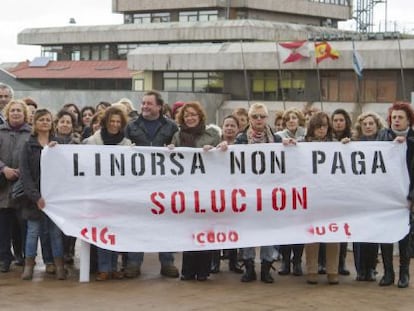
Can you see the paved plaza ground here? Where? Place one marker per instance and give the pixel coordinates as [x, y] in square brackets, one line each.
[223, 291]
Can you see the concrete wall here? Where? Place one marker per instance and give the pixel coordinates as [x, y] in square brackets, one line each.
[217, 106]
[54, 100]
[172, 32]
[377, 54]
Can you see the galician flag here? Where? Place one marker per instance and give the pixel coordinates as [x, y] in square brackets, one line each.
[357, 61]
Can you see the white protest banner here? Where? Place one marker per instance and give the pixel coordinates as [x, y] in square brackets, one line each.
[155, 199]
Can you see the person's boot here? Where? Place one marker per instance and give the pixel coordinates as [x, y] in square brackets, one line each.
[297, 260]
[250, 273]
[322, 259]
[215, 262]
[233, 261]
[387, 256]
[404, 279]
[29, 264]
[285, 266]
[265, 275]
[342, 270]
[60, 269]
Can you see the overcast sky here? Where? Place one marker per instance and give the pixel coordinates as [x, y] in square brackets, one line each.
[20, 14]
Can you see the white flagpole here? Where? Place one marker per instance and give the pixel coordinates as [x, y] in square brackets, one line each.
[318, 75]
[246, 81]
[357, 80]
[279, 82]
[401, 68]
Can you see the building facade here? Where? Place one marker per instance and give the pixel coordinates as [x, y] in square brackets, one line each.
[229, 48]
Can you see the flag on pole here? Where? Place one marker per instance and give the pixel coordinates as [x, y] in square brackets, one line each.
[324, 50]
[294, 51]
[357, 61]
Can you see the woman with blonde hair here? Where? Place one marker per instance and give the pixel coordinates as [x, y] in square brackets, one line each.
[14, 132]
[367, 127]
[257, 132]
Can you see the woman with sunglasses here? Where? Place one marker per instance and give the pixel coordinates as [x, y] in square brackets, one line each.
[257, 132]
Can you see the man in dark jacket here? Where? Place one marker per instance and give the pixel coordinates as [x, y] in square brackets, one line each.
[151, 128]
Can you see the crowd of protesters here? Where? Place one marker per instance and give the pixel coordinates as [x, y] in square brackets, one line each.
[25, 128]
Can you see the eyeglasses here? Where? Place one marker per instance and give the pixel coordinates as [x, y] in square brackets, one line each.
[190, 115]
[322, 126]
[258, 116]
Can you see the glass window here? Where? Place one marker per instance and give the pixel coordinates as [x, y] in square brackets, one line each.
[185, 75]
[160, 17]
[188, 16]
[144, 18]
[208, 15]
[105, 52]
[75, 55]
[200, 74]
[128, 18]
[200, 85]
[95, 52]
[85, 52]
[139, 85]
[170, 75]
[193, 81]
[170, 84]
[185, 85]
[52, 52]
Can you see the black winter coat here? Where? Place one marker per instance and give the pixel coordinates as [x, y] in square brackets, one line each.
[30, 175]
[139, 136]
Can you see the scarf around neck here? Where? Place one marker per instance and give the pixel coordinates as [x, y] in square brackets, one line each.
[255, 137]
[189, 135]
[401, 133]
[111, 139]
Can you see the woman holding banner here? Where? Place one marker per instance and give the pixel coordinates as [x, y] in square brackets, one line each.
[292, 122]
[111, 133]
[230, 128]
[320, 130]
[194, 133]
[342, 129]
[367, 127]
[64, 125]
[42, 135]
[257, 132]
[400, 120]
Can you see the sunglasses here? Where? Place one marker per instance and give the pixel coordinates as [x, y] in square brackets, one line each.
[258, 116]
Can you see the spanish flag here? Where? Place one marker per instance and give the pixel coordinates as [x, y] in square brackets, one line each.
[323, 50]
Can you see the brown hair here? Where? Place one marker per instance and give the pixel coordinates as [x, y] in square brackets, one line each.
[278, 116]
[30, 102]
[295, 111]
[316, 121]
[157, 96]
[109, 112]
[197, 107]
[63, 113]
[38, 114]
